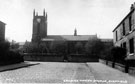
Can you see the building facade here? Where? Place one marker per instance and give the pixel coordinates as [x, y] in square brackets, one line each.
[124, 33]
[2, 31]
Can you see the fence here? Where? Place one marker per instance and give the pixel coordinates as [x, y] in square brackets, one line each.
[121, 67]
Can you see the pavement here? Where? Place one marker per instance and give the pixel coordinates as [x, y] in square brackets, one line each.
[16, 66]
[64, 73]
[109, 74]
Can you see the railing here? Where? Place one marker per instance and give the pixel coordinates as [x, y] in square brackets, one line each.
[125, 68]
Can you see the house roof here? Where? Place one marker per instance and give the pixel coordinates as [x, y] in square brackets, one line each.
[69, 37]
[124, 19]
[2, 23]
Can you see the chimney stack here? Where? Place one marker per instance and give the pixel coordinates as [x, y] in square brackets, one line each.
[75, 32]
[132, 6]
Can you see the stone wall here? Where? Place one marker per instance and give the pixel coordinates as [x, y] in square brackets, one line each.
[58, 58]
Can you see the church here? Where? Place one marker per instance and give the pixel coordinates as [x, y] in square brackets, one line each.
[40, 33]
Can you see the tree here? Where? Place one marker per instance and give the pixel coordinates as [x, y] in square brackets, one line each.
[59, 47]
[94, 47]
[7, 56]
[35, 48]
[14, 45]
[106, 52]
[118, 54]
[4, 47]
[79, 48]
[43, 48]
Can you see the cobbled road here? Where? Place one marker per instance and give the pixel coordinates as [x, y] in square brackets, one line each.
[62, 73]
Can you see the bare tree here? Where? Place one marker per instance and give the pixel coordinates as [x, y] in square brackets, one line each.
[94, 47]
[59, 47]
[79, 48]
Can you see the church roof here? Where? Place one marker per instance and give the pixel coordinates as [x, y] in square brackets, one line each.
[52, 38]
[79, 37]
[69, 37]
[107, 40]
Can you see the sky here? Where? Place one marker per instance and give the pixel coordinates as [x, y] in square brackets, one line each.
[89, 17]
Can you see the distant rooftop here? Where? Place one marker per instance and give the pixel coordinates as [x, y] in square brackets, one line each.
[69, 37]
[107, 40]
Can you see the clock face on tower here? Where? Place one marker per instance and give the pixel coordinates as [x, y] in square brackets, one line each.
[38, 20]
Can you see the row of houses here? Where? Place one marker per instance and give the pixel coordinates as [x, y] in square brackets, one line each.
[124, 33]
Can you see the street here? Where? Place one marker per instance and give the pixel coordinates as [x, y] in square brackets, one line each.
[67, 73]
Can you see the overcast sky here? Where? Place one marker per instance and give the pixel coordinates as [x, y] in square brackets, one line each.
[87, 16]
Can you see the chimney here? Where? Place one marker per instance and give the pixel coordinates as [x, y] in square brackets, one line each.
[75, 32]
[132, 6]
[44, 12]
[34, 13]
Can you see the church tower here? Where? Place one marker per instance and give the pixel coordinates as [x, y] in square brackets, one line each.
[39, 26]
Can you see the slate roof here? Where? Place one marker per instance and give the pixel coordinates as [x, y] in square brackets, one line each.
[69, 37]
[52, 38]
[124, 19]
